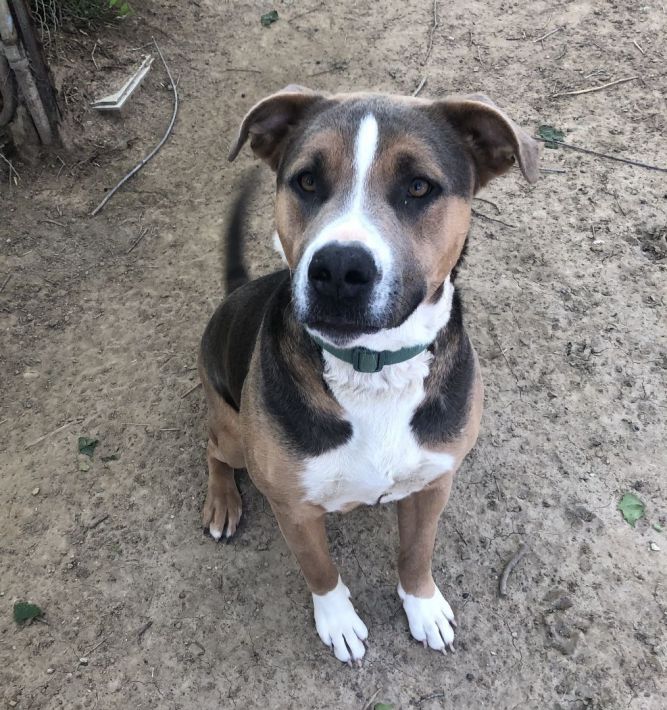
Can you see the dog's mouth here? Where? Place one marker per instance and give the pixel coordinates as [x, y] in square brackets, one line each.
[338, 331]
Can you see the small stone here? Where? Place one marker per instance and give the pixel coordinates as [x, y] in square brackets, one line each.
[12, 703]
[84, 466]
[654, 547]
[83, 661]
[470, 676]
[35, 491]
[50, 670]
[562, 603]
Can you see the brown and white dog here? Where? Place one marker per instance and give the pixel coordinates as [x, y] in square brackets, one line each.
[373, 207]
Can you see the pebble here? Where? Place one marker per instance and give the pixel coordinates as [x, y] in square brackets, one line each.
[83, 661]
[654, 547]
[562, 603]
[50, 670]
[35, 490]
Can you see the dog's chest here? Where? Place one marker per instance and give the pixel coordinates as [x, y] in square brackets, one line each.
[383, 461]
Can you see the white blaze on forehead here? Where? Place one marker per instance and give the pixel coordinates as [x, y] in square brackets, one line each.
[364, 152]
[354, 224]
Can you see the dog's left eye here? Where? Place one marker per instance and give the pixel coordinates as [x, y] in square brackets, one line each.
[306, 182]
[419, 187]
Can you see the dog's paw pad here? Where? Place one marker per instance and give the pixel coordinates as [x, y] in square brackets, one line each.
[339, 625]
[431, 620]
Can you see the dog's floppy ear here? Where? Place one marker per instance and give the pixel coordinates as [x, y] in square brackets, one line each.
[269, 122]
[492, 138]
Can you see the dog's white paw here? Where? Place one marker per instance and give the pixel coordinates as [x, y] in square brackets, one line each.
[338, 624]
[431, 620]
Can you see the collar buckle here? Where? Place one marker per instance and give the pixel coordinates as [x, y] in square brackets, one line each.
[367, 361]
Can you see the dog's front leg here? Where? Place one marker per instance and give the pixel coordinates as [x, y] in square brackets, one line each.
[337, 623]
[429, 615]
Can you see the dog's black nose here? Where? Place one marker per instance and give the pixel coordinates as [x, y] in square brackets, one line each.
[342, 271]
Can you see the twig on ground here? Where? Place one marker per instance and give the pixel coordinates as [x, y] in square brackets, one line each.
[96, 522]
[620, 207]
[144, 629]
[243, 70]
[92, 56]
[548, 34]
[422, 83]
[561, 55]
[143, 162]
[434, 27]
[488, 202]
[634, 41]
[191, 390]
[142, 234]
[303, 14]
[628, 161]
[434, 696]
[493, 219]
[369, 703]
[591, 89]
[12, 169]
[53, 221]
[509, 567]
[5, 282]
[92, 650]
[337, 65]
[552, 170]
[44, 436]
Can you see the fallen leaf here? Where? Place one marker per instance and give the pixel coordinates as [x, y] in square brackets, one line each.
[24, 611]
[269, 18]
[549, 134]
[87, 446]
[657, 527]
[383, 706]
[632, 508]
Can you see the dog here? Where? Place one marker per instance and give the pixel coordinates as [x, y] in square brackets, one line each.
[348, 378]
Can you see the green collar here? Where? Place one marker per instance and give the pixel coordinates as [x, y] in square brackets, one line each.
[365, 360]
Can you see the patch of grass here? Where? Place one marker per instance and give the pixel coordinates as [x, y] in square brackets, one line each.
[51, 14]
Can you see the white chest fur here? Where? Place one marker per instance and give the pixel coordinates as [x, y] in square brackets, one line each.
[383, 460]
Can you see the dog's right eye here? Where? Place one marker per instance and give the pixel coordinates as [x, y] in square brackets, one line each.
[306, 181]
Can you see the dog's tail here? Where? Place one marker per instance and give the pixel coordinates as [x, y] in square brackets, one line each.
[234, 268]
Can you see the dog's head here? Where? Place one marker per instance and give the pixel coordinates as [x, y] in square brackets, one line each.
[373, 196]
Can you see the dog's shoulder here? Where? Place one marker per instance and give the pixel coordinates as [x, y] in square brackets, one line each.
[231, 334]
[291, 386]
[450, 387]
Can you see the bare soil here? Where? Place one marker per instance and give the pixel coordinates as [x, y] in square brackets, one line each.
[565, 301]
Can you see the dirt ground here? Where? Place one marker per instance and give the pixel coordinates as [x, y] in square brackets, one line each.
[565, 300]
